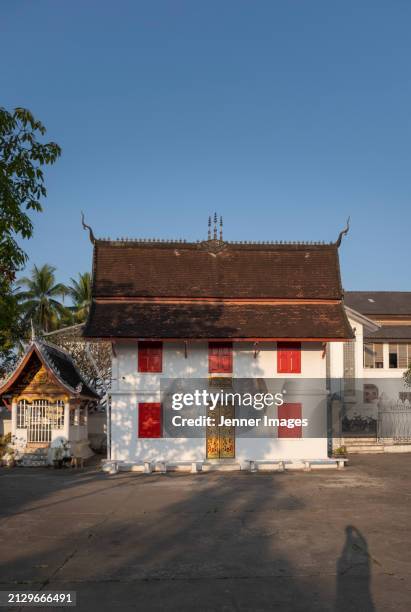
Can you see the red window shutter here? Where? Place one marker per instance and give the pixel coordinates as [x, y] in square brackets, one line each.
[149, 420]
[212, 359]
[282, 360]
[289, 357]
[226, 358]
[220, 357]
[290, 411]
[150, 356]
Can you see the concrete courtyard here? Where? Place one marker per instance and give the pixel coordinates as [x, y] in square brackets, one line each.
[330, 540]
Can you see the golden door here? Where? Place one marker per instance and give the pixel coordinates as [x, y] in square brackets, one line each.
[221, 439]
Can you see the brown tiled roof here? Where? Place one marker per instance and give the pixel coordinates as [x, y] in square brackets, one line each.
[202, 321]
[390, 332]
[213, 269]
[379, 302]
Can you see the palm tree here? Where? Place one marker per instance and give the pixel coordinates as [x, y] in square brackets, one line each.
[80, 292]
[40, 301]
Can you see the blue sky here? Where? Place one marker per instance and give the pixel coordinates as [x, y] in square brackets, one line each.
[283, 116]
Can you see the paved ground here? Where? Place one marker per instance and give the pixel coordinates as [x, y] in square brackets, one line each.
[231, 541]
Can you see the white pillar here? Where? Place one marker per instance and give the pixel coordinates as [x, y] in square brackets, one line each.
[13, 418]
[85, 428]
[108, 425]
[336, 355]
[67, 419]
[386, 355]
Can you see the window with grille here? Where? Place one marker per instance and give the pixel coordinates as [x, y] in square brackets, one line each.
[57, 415]
[399, 355]
[40, 411]
[39, 418]
[373, 355]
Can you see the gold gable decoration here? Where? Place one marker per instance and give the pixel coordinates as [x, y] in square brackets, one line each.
[38, 382]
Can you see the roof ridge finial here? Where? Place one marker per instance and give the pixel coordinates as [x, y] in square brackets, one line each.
[344, 232]
[90, 231]
[215, 226]
[209, 227]
[221, 228]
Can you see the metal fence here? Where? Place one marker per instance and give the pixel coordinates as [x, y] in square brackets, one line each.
[394, 421]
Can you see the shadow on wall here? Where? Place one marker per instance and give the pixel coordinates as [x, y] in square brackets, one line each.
[190, 445]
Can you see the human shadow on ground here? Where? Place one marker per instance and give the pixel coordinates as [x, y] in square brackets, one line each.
[353, 590]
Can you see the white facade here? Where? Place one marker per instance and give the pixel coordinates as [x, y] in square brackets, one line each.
[372, 372]
[129, 388]
[336, 351]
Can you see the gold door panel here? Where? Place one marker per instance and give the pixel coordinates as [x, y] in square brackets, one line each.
[221, 440]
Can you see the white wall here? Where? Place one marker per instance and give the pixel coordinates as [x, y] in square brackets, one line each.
[130, 387]
[5, 426]
[175, 365]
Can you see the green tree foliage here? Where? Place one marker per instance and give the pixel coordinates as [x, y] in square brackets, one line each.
[12, 330]
[80, 293]
[41, 300]
[22, 158]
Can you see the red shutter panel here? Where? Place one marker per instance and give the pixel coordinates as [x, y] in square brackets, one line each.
[142, 359]
[212, 360]
[150, 356]
[226, 362]
[149, 420]
[289, 357]
[296, 359]
[290, 411]
[282, 360]
[220, 357]
[156, 359]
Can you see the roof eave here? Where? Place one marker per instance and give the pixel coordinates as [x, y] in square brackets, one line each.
[369, 324]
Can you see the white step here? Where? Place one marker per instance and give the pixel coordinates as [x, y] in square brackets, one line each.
[30, 462]
[34, 457]
[365, 448]
[221, 467]
[355, 441]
